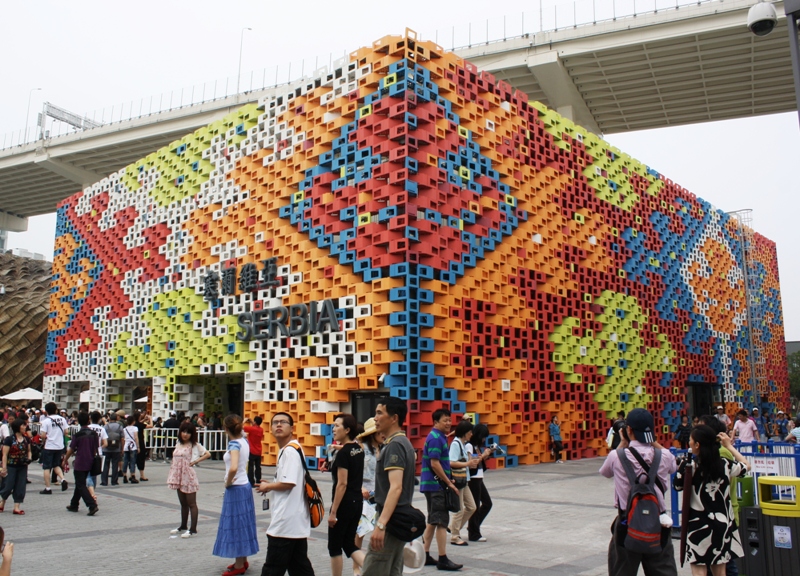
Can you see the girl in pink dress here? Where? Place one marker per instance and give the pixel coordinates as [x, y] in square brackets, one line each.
[182, 477]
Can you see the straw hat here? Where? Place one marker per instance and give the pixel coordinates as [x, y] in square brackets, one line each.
[413, 557]
[369, 428]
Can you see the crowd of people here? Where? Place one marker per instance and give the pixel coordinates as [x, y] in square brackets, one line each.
[746, 426]
[373, 470]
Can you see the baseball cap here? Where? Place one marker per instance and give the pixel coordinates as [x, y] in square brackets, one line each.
[779, 412]
[172, 413]
[641, 421]
[755, 409]
[720, 408]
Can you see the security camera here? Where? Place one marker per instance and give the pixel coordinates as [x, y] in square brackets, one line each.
[762, 18]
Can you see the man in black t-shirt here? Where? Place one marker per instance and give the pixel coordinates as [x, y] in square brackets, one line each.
[396, 466]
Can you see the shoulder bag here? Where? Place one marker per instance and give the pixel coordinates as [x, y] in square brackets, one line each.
[407, 523]
[452, 502]
[460, 474]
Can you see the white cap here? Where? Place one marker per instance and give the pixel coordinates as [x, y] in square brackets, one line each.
[413, 557]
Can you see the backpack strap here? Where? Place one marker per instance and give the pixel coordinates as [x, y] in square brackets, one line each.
[652, 470]
[627, 466]
[299, 453]
[646, 467]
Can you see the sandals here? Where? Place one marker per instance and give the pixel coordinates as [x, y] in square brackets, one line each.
[459, 542]
[2, 505]
[19, 512]
[233, 566]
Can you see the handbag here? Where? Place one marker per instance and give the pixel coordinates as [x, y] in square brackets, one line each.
[407, 523]
[460, 474]
[452, 502]
[97, 465]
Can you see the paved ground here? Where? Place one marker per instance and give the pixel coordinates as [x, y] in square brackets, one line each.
[549, 520]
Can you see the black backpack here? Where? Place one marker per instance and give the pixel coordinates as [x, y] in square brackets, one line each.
[642, 512]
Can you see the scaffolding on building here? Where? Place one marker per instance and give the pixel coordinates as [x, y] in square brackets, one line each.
[753, 295]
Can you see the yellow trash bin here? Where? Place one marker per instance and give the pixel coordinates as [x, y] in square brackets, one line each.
[780, 506]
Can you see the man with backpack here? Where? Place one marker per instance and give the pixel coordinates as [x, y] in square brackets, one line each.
[52, 432]
[637, 534]
[112, 451]
[290, 526]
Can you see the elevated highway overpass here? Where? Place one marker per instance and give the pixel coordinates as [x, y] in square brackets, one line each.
[695, 64]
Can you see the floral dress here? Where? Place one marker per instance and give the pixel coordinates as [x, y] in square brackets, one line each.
[181, 475]
[712, 536]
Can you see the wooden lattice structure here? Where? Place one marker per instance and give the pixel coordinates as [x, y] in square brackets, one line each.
[23, 321]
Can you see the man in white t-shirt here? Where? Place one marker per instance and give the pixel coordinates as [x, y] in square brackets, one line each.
[290, 527]
[722, 417]
[744, 428]
[52, 433]
[5, 427]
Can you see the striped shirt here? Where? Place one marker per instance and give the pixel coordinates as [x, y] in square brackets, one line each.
[435, 449]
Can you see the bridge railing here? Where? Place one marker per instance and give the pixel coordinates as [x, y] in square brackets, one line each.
[546, 16]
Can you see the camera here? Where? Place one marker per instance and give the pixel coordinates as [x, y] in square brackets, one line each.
[762, 18]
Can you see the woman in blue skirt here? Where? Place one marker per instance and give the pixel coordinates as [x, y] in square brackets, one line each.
[237, 536]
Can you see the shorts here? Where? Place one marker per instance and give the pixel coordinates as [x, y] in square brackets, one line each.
[50, 459]
[437, 511]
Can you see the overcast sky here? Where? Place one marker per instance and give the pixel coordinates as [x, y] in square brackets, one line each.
[88, 56]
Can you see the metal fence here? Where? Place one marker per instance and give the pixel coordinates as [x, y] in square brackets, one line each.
[158, 440]
[766, 459]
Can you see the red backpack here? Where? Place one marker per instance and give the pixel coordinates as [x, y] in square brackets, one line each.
[642, 513]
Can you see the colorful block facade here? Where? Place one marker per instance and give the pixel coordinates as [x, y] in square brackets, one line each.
[480, 252]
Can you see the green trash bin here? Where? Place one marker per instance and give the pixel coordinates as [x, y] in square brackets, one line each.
[747, 487]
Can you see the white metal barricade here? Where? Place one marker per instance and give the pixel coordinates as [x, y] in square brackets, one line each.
[161, 439]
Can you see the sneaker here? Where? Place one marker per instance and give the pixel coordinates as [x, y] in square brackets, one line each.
[188, 534]
[134, 481]
[448, 565]
[559, 461]
[93, 510]
[64, 485]
[176, 531]
[71, 509]
[46, 491]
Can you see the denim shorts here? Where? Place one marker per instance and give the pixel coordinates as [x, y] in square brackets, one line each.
[50, 459]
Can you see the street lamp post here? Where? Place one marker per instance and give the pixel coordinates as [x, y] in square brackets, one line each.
[241, 44]
[28, 113]
[792, 10]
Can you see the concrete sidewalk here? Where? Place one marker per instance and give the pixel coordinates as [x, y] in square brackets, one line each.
[549, 520]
